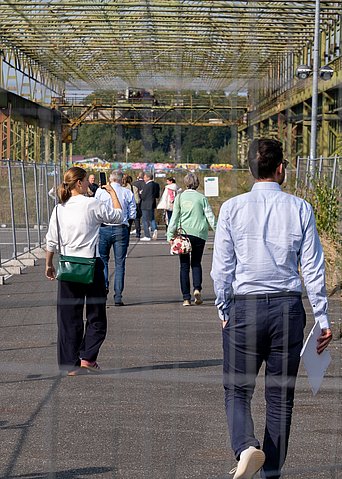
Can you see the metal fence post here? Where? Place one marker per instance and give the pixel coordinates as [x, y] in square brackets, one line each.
[47, 193]
[36, 188]
[56, 179]
[320, 167]
[333, 178]
[10, 189]
[308, 162]
[297, 172]
[23, 177]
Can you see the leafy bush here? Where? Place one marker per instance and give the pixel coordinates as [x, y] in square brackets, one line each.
[326, 206]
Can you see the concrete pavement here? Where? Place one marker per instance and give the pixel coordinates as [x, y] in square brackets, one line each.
[157, 411]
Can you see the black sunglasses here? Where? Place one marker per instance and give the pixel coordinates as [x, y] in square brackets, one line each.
[285, 163]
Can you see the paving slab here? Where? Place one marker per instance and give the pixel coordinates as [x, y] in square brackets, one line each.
[157, 410]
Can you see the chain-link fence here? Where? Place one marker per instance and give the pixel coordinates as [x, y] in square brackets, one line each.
[26, 205]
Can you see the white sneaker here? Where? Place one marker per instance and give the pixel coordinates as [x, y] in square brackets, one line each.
[155, 234]
[251, 461]
[198, 297]
[145, 238]
[187, 302]
[133, 232]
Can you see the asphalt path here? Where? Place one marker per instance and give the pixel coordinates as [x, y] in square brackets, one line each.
[157, 410]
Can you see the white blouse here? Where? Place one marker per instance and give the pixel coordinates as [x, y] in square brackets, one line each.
[79, 222]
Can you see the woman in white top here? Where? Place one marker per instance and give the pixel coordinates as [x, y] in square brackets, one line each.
[79, 220]
[168, 198]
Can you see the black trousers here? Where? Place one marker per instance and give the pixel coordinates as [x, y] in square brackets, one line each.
[137, 222]
[77, 340]
[192, 259]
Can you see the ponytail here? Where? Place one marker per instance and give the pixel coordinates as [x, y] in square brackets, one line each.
[71, 177]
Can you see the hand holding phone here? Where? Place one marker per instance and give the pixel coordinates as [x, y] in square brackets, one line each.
[103, 179]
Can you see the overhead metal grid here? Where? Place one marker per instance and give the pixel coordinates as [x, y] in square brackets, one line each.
[168, 44]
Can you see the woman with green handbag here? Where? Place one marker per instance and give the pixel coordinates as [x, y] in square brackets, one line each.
[74, 230]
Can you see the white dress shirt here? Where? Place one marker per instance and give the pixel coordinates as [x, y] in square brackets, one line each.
[79, 221]
[261, 238]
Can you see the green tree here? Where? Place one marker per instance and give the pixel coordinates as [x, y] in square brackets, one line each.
[135, 151]
[158, 156]
[96, 140]
[203, 155]
[223, 155]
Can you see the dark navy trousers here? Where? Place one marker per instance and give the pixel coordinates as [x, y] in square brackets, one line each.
[77, 340]
[261, 330]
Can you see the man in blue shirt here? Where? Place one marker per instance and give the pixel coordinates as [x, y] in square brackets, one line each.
[261, 239]
[116, 235]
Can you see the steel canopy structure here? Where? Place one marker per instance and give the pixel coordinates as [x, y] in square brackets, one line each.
[169, 44]
[204, 62]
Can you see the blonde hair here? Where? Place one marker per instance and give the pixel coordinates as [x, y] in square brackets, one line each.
[71, 177]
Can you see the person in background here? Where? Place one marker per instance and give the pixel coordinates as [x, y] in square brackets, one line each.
[193, 214]
[139, 183]
[149, 194]
[261, 239]
[127, 182]
[92, 185]
[168, 198]
[53, 195]
[154, 227]
[79, 220]
[117, 234]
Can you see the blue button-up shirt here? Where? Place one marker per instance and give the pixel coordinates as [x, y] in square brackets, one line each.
[126, 198]
[261, 239]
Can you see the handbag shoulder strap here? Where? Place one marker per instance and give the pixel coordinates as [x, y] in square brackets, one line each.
[180, 211]
[58, 232]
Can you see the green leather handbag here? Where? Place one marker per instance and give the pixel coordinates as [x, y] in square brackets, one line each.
[76, 269]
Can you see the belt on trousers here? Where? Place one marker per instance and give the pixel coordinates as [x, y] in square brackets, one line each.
[103, 225]
[266, 296]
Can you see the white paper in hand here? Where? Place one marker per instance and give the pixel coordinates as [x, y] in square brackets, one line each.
[314, 363]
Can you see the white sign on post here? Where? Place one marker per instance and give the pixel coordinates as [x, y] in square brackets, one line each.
[211, 186]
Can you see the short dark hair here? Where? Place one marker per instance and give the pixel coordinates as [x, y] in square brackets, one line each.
[264, 156]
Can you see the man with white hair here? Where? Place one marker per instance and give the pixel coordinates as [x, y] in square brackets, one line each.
[116, 235]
